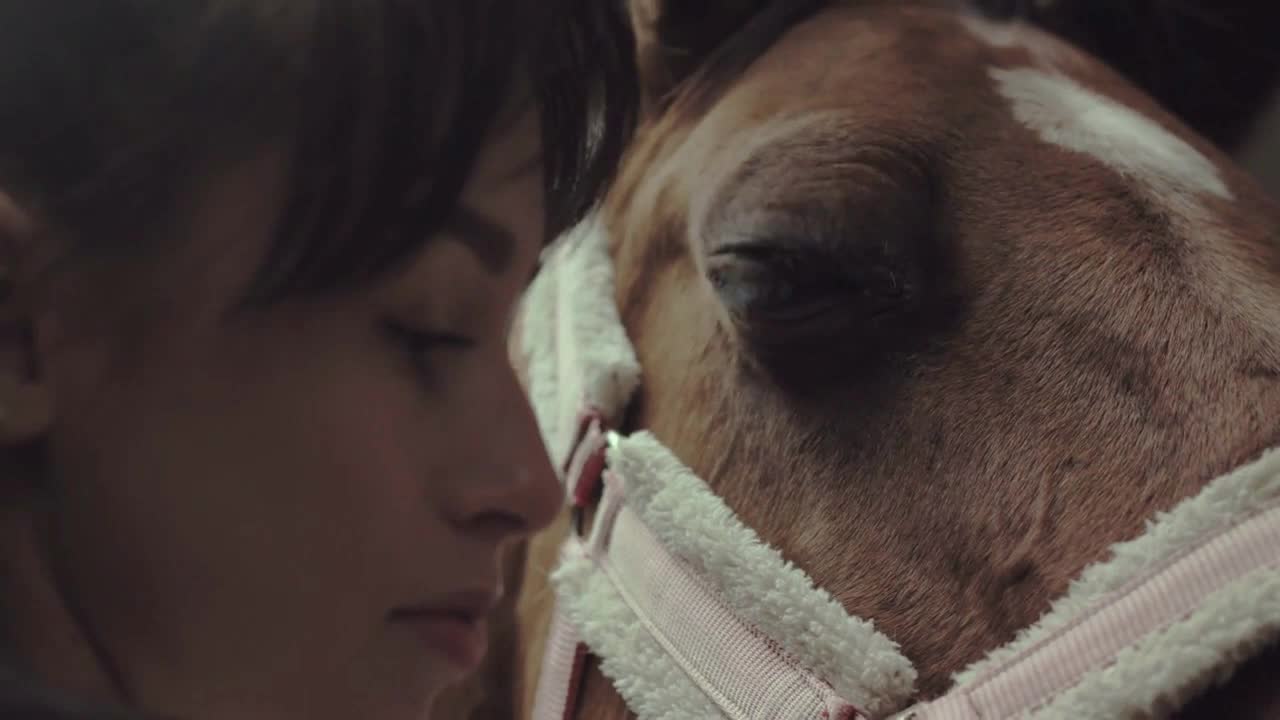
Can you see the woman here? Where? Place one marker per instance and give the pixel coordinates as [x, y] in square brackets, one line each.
[262, 445]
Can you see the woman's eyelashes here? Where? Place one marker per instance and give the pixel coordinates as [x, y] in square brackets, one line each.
[420, 346]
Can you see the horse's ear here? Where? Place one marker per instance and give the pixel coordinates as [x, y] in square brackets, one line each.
[674, 38]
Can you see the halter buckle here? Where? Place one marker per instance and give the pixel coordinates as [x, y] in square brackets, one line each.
[584, 468]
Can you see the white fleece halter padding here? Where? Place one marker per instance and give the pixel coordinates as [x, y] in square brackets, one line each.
[574, 346]
[762, 588]
[1170, 666]
[1167, 669]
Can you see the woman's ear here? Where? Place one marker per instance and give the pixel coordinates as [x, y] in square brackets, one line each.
[675, 37]
[26, 403]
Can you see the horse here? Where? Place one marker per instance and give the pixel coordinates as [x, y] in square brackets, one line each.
[942, 308]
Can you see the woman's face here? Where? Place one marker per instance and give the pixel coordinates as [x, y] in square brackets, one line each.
[294, 511]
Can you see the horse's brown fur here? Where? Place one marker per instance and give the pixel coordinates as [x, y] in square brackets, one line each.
[1059, 357]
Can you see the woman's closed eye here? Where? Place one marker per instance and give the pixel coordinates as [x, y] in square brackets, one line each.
[421, 345]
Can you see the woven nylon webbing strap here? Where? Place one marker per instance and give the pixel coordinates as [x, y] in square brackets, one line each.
[564, 656]
[1150, 603]
[746, 675]
[561, 672]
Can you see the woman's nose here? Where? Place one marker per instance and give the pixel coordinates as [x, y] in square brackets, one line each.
[522, 492]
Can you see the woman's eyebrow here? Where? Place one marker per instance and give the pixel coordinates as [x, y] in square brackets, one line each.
[492, 242]
[520, 170]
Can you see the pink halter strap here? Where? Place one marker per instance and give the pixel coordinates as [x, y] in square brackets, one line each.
[749, 677]
[745, 674]
[1148, 604]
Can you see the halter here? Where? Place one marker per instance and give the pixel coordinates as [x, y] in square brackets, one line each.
[692, 616]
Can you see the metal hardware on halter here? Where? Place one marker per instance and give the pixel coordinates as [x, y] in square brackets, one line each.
[565, 653]
[585, 465]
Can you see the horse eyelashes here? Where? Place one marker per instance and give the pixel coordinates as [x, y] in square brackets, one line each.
[776, 297]
[744, 284]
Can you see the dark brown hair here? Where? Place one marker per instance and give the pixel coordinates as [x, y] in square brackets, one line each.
[111, 111]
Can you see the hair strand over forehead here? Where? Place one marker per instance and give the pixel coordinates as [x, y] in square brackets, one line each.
[117, 110]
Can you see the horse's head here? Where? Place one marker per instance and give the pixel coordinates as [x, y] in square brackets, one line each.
[942, 308]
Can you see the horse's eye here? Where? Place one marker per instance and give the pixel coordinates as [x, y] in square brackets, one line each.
[845, 264]
[777, 295]
[806, 310]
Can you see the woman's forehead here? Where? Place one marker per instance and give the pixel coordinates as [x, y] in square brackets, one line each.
[514, 148]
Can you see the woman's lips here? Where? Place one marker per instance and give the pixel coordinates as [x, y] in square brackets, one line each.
[453, 626]
[462, 638]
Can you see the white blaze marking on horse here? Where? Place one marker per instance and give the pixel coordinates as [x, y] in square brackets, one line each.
[1174, 175]
[1071, 116]
[1044, 48]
